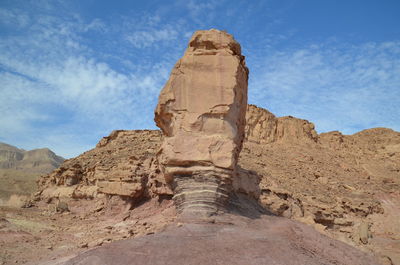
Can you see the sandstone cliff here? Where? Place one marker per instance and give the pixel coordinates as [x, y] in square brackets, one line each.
[263, 127]
[346, 186]
[201, 112]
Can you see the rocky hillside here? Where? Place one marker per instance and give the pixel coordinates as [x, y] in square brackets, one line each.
[122, 164]
[345, 186]
[19, 169]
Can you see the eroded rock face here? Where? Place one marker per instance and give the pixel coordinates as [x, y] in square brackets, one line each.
[201, 111]
[264, 127]
[335, 184]
[122, 164]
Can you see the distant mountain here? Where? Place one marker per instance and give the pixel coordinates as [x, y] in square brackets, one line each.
[19, 169]
[37, 160]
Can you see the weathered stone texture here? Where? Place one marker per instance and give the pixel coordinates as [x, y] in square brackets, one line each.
[264, 127]
[201, 111]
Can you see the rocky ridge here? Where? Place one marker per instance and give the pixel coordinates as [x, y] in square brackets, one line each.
[122, 164]
[37, 160]
[345, 186]
[285, 169]
[124, 188]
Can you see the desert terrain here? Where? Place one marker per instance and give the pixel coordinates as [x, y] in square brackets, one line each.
[19, 170]
[344, 186]
[223, 182]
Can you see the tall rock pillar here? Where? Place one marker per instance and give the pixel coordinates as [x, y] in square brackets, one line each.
[201, 111]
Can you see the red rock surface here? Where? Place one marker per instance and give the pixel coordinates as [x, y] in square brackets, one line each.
[231, 239]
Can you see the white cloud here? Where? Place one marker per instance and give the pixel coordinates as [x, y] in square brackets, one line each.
[196, 8]
[143, 39]
[15, 112]
[203, 12]
[55, 88]
[66, 81]
[95, 24]
[337, 87]
[13, 18]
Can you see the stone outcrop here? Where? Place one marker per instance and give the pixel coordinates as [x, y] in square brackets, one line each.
[263, 127]
[232, 239]
[335, 184]
[122, 164]
[201, 111]
[345, 186]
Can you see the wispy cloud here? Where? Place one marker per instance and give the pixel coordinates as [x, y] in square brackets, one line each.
[199, 8]
[141, 39]
[347, 87]
[67, 79]
[54, 86]
[13, 18]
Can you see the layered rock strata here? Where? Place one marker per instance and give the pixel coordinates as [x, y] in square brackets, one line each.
[201, 112]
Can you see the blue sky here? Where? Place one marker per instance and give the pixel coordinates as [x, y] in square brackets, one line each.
[73, 71]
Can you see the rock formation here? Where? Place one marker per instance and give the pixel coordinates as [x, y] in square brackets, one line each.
[201, 111]
[263, 127]
[233, 240]
[344, 186]
[113, 168]
[331, 181]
